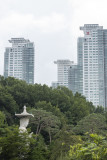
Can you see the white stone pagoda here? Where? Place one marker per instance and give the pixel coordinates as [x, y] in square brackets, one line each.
[24, 119]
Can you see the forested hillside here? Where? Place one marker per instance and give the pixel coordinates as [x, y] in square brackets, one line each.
[65, 126]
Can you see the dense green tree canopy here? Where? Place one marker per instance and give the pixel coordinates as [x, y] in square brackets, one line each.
[93, 149]
[59, 127]
[93, 123]
[14, 94]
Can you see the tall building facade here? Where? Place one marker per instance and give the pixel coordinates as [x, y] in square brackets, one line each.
[62, 71]
[19, 60]
[92, 63]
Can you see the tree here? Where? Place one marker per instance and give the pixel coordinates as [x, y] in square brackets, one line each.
[15, 145]
[93, 123]
[66, 91]
[2, 119]
[19, 91]
[60, 99]
[99, 109]
[93, 149]
[61, 144]
[44, 120]
[79, 109]
[7, 104]
[3, 123]
[53, 109]
[38, 150]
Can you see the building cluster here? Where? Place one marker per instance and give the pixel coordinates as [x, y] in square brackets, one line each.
[89, 75]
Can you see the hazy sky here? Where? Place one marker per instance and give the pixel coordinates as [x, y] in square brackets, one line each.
[53, 25]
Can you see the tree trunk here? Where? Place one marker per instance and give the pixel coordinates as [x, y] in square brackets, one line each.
[50, 138]
[38, 126]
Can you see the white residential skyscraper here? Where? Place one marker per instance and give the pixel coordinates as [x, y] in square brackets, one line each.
[19, 60]
[92, 62]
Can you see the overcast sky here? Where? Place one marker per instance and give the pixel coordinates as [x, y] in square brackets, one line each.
[53, 25]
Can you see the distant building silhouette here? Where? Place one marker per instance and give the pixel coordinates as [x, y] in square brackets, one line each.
[19, 60]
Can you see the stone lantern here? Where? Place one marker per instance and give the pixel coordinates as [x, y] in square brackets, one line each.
[24, 119]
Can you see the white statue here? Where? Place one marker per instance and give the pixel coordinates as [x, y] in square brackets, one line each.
[24, 119]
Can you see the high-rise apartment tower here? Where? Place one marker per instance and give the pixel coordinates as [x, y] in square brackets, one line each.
[92, 64]
[19, 60]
